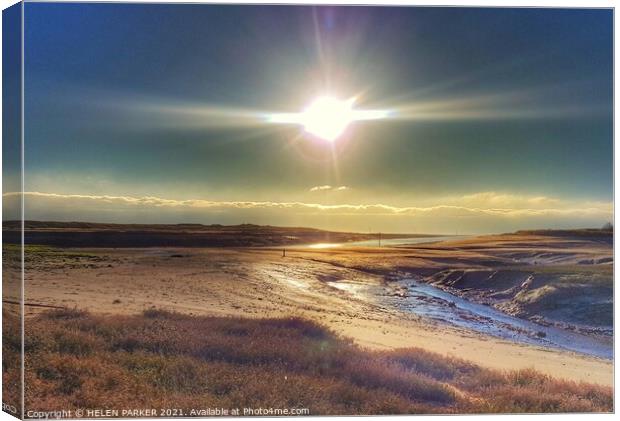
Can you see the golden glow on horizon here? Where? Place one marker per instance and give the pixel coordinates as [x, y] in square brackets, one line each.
[474, 213]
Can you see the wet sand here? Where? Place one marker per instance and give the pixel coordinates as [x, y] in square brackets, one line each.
[259, 282]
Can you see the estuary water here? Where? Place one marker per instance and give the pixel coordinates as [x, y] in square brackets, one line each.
[387, 242]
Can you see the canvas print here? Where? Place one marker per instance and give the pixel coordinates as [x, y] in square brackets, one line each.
[293, 210]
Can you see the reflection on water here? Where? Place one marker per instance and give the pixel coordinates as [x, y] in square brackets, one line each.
[386, 242]
[325, 245]
[351, 287]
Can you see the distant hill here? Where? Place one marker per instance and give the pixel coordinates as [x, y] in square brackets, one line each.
[596, 234]
[90, 234]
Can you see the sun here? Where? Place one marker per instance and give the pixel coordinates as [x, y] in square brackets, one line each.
[327, 117]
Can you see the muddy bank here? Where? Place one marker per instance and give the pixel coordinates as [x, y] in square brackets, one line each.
[573, 298]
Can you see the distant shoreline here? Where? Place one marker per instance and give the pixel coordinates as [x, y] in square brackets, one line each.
[88, 234]
[107, 235]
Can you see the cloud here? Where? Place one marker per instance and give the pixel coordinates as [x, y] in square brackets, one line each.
[492, 198]
[76, 201]
[329, 188]
[320, 188]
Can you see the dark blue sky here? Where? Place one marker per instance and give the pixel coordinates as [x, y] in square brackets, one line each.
[87, 64]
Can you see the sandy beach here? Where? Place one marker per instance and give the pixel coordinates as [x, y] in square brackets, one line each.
[260, 282]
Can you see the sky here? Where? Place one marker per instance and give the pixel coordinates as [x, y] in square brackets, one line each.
[499, 119]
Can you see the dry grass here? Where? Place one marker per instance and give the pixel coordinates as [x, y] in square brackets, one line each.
[167, 360]
[11, 358]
